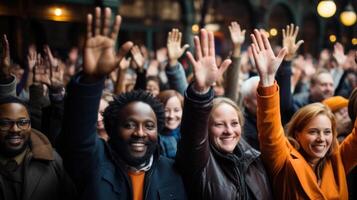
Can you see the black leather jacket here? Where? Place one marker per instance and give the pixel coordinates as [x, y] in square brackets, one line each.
[208, 173]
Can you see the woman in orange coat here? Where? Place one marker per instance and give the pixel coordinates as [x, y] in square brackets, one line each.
[309, 163]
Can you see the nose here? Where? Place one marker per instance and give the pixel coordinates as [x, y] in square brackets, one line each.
[14, 128]
[229, 130]
[139, 132]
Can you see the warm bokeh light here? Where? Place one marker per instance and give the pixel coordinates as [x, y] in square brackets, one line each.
[273, 32]
[58, 12]
[212, 27]
[348, 16]
[326, 8]
[195, 28]
[332, 38]
[354, 41]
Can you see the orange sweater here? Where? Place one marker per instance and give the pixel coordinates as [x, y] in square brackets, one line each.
[291, 176]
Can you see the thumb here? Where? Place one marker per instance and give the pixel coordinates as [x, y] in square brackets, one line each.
[298, 44]
[224, 66]
[186, 46]
[282, 53]
[124, 49]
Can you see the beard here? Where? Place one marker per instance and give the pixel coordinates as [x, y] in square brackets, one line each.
[121, 148]
[12, 152]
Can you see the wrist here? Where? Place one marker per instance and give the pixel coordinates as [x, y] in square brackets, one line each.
[267, 81]
[200, 89]
[173, 62]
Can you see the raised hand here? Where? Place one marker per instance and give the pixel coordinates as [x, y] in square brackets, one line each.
[174, 48]
[99, 54]
[339, 54]
[237, 36]
[265, 61]
[31, 58]
[289, 41]
[41, 72]
[5, 59]
[137, 56]
[49, 57]
[205, 70]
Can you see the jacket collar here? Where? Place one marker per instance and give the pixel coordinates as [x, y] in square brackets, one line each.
[243, 151]
[40, 146]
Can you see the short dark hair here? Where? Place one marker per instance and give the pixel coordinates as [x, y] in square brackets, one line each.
[12, 99]
[112, 112]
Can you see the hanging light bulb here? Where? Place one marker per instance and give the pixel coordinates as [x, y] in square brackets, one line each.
[326, 8]
[348, 16]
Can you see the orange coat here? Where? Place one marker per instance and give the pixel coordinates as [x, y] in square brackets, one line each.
[291, 175]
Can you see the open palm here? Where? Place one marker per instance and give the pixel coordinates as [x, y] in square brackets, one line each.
[266, 62]
[206, 71]
[99, 53]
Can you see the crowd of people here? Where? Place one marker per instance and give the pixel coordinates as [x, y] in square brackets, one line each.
[264, 123]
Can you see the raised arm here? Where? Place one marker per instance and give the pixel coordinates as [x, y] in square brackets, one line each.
[79, 141]
[284, 73]
[193, 150]
[273, 143]
[232, 75]
[7, 81]
[174, 70]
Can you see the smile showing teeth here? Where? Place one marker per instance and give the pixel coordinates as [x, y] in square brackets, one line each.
[138, 147]
[14, 141]
[318, 147]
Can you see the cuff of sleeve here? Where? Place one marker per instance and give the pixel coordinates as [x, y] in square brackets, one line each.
[197, 97]
[267, 91]
[84, 89]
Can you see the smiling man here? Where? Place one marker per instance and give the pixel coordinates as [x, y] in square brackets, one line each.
[29, 166]
[129, 165]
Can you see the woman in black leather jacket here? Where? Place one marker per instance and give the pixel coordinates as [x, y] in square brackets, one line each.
[215, 161]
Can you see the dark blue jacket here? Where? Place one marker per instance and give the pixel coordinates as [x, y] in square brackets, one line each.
[89, 160]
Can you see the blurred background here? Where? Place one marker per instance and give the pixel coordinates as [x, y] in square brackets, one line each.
[61, 23]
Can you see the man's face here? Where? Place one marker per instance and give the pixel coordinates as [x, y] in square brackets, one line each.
[14, 137]
[137, 133]
[323, 89]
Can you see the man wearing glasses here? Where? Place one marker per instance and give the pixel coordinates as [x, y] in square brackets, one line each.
[30, 168]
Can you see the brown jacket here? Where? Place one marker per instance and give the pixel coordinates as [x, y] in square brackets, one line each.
[44, 175]
[291, 176]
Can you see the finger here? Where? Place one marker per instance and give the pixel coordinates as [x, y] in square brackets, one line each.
[176, 35]
[89, 25]
[204, 42]
[116, 27]
[258, 36]
[6, 47]
[291, 30]
[198, 50]
[211, 46]
[169, 37]
[284, 36]
[243, 32]
[97, 21]
[179, 38]
[296, 31]
[255, 42]
[266, 42]
[107, 17]
[192, 60]
[254, 52]
[124, 49]
[224, 66]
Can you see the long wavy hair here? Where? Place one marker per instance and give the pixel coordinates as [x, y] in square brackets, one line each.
[299, 121]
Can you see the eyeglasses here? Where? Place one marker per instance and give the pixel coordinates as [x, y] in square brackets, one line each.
[22, 124]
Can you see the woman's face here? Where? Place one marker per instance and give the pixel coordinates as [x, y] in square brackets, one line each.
[153, 88]
[316, 138]
[173, 113]
[224, 128]
[102, 106]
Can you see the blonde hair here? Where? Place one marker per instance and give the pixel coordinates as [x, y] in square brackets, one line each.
[299, 121]
[223, 100]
